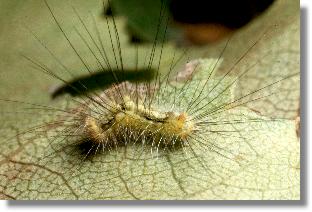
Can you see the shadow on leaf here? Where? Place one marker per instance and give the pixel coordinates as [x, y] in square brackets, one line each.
[101, 80]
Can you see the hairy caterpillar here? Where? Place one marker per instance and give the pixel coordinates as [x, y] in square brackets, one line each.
[187, 114]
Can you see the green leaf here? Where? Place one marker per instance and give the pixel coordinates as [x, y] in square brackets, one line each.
[143, 17]
[257, 158]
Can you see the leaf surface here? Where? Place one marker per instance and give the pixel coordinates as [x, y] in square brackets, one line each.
[255, 160]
